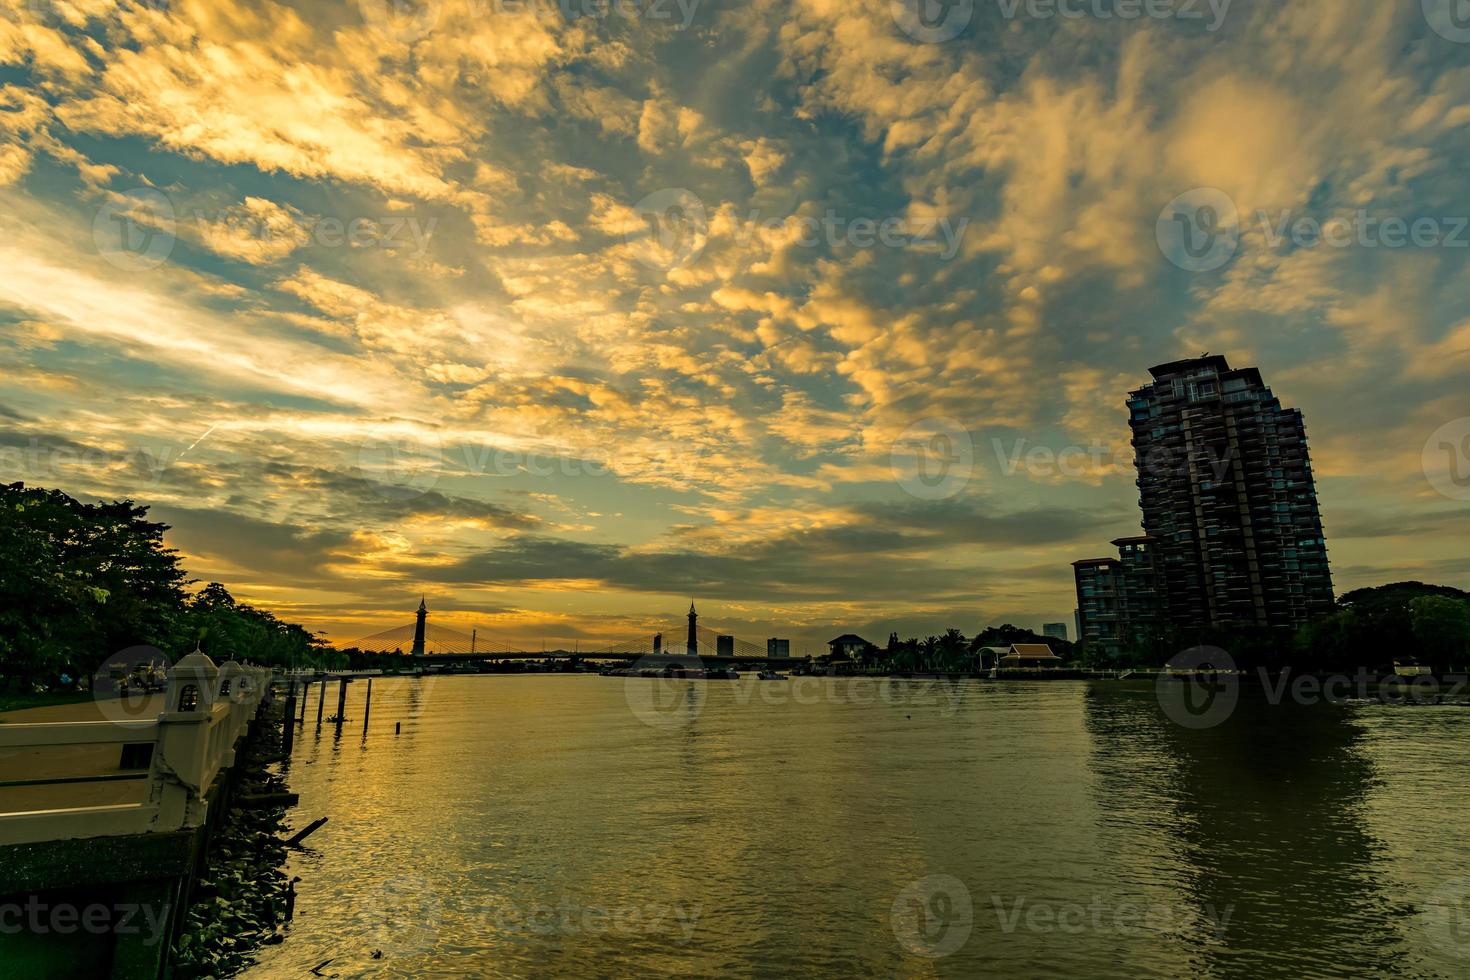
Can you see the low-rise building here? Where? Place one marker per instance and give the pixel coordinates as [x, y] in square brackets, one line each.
[1030, 655]
[848, 646]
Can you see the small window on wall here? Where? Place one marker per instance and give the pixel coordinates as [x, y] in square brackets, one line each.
[188, 698]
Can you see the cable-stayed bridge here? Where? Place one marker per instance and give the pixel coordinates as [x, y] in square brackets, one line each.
[443, 645]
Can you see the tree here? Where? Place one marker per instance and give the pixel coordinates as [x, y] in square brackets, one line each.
[79, 582]
[1442, 630]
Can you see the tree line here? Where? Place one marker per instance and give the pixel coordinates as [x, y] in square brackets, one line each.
[80, 582]
[1369, 629]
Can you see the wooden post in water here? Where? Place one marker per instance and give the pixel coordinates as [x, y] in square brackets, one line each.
[320, 701]
[305, 690]
[288, 722]
[341, 704]
[367, 706]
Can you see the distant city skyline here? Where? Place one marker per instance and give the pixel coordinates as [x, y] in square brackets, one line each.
[554, 322]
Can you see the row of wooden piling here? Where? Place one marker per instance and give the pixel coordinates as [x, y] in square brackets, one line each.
[291, 718]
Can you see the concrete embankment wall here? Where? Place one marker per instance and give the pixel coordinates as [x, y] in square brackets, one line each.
[103, 906]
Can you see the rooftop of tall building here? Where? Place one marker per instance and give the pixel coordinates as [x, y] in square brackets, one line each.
[1215, 361]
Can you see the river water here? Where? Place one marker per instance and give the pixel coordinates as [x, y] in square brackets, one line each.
[592, 827]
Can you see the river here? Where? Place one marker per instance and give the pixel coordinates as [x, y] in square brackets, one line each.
[590, 826]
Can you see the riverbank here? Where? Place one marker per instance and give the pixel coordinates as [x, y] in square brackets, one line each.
[241, 898]
[99, 886]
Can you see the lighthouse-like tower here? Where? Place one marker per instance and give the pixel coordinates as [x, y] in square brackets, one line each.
[418, 629]
[693, 645]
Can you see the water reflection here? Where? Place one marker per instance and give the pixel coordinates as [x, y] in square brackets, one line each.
[527, 825]
[1265, 828]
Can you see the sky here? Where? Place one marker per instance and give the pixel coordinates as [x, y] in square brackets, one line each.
[819, 313]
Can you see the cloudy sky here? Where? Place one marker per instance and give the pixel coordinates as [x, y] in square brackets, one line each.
[818, 312]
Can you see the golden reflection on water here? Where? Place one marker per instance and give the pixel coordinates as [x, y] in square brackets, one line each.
[590, 826]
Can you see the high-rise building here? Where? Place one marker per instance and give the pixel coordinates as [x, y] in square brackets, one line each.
[724, 645]
[776, 647]
[1228, 499]
[1118, 599]
[1055, 630]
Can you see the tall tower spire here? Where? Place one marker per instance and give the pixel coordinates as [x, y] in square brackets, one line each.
[693, 644]
[418, 629]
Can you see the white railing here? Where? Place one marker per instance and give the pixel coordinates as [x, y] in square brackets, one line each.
[193, 739]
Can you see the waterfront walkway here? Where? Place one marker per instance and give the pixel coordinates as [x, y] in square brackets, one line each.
[81, 762]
